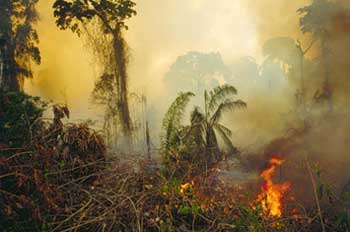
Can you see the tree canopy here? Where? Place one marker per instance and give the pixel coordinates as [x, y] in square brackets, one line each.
[113, 13]
[197, 71]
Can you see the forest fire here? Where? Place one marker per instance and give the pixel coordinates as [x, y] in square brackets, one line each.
[272, 193]
[226, 116]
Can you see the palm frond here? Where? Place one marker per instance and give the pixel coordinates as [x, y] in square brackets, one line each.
[222, 130]
[227, 105]
[227, 131]
[206, 102]
[172, 120]
[218, 94]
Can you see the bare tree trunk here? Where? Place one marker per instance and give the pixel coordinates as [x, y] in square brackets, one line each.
[148, 141]
[147, 135]
[122, 85]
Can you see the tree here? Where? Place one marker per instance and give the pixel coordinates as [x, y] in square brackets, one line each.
[18, 42]
[195, 72]
[282, 50]
[316, 19]
[109, 16]
[302, 54]
[291, 56]
[205, 128]
[216, 103]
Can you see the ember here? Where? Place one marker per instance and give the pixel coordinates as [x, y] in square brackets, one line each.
[271, 194]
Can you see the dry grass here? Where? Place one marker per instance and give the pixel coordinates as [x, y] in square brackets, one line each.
[63, 180]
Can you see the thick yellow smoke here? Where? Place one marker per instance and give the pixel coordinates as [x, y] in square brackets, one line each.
[160, 32]
[65, 74]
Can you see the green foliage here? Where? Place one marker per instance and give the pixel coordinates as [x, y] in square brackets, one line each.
[20, 118]
[197, 144]
[171, 124]
[217, 102]
[113, 13]
[334, 200]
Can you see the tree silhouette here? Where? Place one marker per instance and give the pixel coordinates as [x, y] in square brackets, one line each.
[282, 50]
[290, 54]
[18, 42]
[316, 19]
[109, 16]
[195, 72]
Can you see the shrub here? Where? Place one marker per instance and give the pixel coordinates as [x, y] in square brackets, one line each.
[20, 118]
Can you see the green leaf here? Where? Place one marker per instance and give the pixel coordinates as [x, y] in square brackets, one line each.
[184, 209]
[165, 188]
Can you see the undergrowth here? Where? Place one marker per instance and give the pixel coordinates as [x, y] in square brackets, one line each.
[60, 177]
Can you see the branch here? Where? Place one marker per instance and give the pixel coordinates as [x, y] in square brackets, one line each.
[310, 46]
[104, 21]
[303, 52]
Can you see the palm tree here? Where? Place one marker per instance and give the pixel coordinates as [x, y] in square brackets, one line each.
[216, 103]
[205, 127]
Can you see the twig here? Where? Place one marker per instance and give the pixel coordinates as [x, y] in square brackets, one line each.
[75, 213]
[315, 193]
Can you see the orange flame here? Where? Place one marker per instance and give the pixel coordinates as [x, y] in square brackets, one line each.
[271, 194]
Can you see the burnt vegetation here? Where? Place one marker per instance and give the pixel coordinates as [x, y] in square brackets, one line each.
[61, 176]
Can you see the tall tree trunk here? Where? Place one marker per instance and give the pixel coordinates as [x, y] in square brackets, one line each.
[9, 74]
[10, 67]
[122, 85]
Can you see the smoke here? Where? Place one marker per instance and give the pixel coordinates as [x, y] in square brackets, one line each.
[164, 30]
[324, 140]
[66, 74]
[160, 32]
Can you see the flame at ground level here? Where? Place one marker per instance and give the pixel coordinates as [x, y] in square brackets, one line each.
[271, 194]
